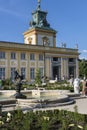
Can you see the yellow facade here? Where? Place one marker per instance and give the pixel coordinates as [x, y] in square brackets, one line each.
[39, 51]
[63, 54]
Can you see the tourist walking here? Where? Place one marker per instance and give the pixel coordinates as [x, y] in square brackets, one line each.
[76, 85]
[84, 87]
[0, 83]
[71, 81]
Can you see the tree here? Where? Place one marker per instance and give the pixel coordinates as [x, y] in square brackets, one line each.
[83, 68]
[38, 78]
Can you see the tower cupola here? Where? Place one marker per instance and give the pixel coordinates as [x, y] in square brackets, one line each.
[40, 32]
[39, 17]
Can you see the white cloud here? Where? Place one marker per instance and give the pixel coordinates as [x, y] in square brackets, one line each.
[83, 57]
[84, 51]
[83, 54]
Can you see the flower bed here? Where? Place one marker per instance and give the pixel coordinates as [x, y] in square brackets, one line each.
[43, 120]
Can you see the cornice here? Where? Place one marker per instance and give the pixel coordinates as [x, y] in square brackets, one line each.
[39, 30]
[37, 48]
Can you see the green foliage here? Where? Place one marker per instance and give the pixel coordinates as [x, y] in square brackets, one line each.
[45, 120]
[45, 125]
[83, 68]
[7, 84]
[38, 78]
[61, 85]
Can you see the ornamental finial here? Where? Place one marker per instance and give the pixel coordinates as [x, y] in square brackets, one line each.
[39, 2]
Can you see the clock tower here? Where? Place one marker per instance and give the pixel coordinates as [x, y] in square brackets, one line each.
[40, 32]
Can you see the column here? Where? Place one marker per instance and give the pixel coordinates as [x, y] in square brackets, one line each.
[50, 73]
[8, 66]
[77, 68]
[62, 67]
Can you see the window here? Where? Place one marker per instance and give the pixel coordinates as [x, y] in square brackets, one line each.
[2, 73]
[32, 56]
[13, 55]
[2, 55]
[41, 71]
[32, 73]
[23, 72]
[71, 60]
[13, 73]
[56, 59]
[71, 71]
[22, 56]
[40, 57]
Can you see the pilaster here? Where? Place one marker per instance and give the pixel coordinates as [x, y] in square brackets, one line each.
[77, 68]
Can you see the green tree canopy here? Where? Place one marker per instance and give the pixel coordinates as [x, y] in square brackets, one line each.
[83, 68]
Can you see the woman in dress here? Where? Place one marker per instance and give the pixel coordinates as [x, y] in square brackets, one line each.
[84, 87]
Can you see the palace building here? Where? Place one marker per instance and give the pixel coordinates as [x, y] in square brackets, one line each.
[39, 51]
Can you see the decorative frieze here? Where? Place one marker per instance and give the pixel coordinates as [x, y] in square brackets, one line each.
[33, 64]
[13, 63]
[23, 63]
[41, 64]
[3, 63]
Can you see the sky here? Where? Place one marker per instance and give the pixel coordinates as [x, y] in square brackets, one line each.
[67, 17]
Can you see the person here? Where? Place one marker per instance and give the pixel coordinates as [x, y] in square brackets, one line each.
[56, 78]
[76, 85]
[43, 79]
[0, 83]
[84, 87]
[71, 81]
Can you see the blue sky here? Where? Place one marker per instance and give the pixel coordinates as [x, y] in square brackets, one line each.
[67, 17]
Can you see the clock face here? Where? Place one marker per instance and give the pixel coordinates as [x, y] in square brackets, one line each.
[41, 17]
